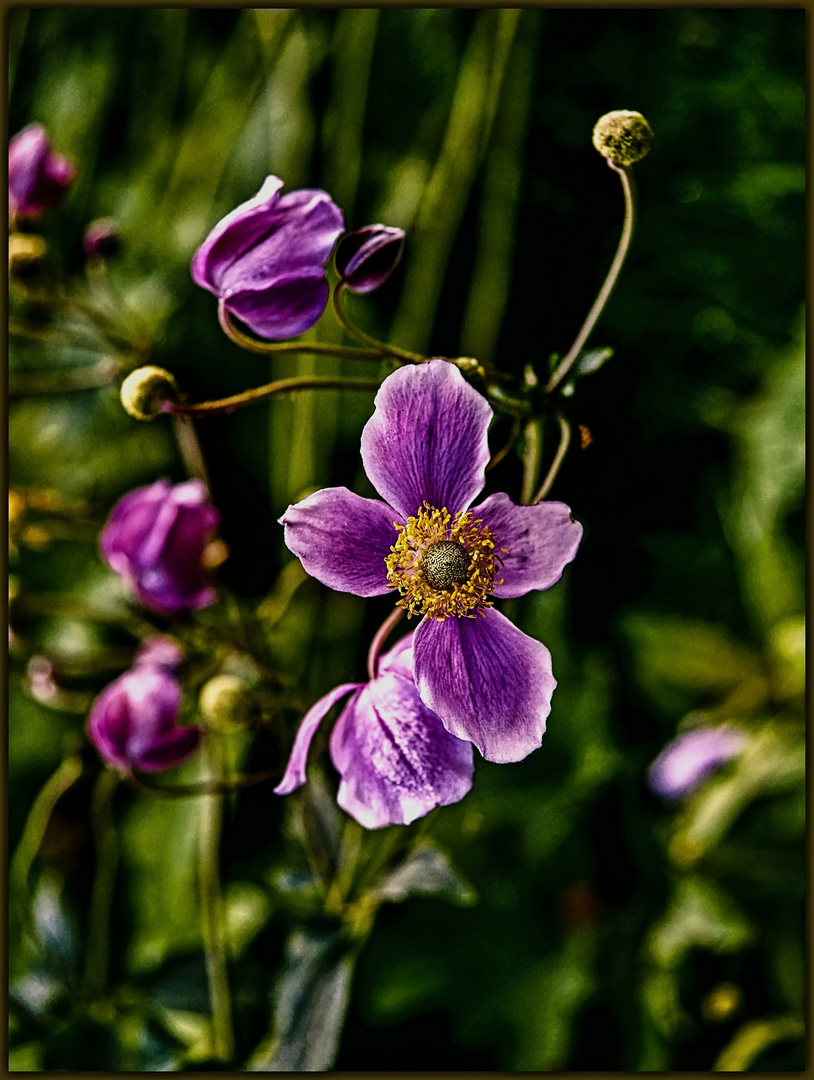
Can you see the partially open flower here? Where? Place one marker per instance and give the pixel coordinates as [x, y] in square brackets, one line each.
[155, 538]
[266, 260]
[691, 757]
[37, 177]
[133, 723]
[396, 759]
[365, 259]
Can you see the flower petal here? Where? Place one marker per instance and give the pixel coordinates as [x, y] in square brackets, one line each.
[427, 440]
[488, 681]
[342, 539]
[691, 757]
[395, 757]
[283, 307]
[294, 775]
[172, 750]
[541, 541]
[399, 659]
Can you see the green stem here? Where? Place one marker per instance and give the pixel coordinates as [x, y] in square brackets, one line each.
[512, 439]
[214, 931]
[190, 448]
[207, 787]
[360, 335]
[531, 458]
[569, 359]
[101, 899]
[260, 393]
[270, 348]
[559, 457]
[61, 382]
[51, 792]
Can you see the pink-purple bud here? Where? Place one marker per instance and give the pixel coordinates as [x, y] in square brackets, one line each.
[101, 240]
[133, 723]
[155, 538]
[37, 176]
[365, 259]
[691, 757]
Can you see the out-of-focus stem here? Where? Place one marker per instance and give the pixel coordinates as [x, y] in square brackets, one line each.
[559, 457]
[207, 787]
[104, 836]
[260, 393]
[531, 458]
[570, 357]
[270, 348]
[190, 447]
[380, 638]
[38, 817]
[214, 931]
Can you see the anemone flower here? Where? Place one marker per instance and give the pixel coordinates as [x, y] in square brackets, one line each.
[425, 451]
[396, 760]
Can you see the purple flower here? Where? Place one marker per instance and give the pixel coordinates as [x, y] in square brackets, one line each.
[101, 240]
[396, 760]
[155, 538]
[689, 759]
[133, 723]
[266, 260]
[37, 177]
[365, 259]
[425, 450]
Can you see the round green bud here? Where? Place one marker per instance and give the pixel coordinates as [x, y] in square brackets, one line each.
[145, 390]
[223, 702]
[624, 137]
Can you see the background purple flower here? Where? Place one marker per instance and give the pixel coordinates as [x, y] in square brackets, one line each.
[101, 240]
[155, 538]
[133, 723]
[396, 759]
[37, 177]
[266, 260]
[425, 450]
[685, 762]
[365, 259]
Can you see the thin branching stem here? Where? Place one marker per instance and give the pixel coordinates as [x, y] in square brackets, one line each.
[559, 457]
[378, 641]
[360, 335]
[271, 348]
[260, 393]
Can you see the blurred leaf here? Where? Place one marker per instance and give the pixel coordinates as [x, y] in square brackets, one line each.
[592, 360]
[310, 1002]
[755, 1037]
[426, 871]
[700, 915]
[246, 911]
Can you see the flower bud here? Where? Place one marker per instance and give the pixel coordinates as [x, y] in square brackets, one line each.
[37, 177]
[690, 758]
[365, 259]
[223, 702]
[624, 137]
[145, 390]
[101, 240]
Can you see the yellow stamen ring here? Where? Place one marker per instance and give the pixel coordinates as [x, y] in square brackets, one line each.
[443, 566]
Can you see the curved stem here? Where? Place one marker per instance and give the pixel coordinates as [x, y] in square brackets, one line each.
[214, 930]
[379, 640]
[101, 899]
[360, 335]
[260, 393]
[207, 787]
[500, 455]
[51, 792]
[559, 457]
[531, 458]
[568, 360]
[269, 348]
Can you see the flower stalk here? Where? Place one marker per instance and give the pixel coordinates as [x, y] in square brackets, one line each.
[260, 393]
[353, 331]
[382, 635]
[271, 348]
[104, 836]
[559, 457]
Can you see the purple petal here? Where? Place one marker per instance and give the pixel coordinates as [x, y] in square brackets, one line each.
[488, 681]
[342, 539]
[427, 439]
[399, 660]
[172, 750]
[396, 760]
[284, 307]
[541, 541]
[294, 775]
[160, 651]
[689, 759]
[109, 726]
[365, 259]
[37, 177]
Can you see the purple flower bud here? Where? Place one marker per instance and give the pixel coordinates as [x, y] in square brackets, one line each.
[266, 260]
[133, 723]
[101, 240]
[160, 651]
[37, 177]
[686, 761]
[365, 259]
[155, 538]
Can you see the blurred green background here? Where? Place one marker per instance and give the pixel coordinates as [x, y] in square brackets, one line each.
[610, 932]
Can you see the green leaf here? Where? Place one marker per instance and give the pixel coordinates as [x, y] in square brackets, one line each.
[701, 916]
[310, 1003]
[755, 1037]
[592, 360]
[427, 871]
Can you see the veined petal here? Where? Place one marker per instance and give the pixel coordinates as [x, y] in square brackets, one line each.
[399, 659]
[395, 757]
[541, 541]
[283, 307]
[342, 539]
[294, 775]
[488, 681]
[427, 439]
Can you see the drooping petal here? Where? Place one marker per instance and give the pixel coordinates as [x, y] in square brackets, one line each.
[396, 759]
[399, 659]
[488, 681]
[427, 439]
[283, 307]
[342, 539]
[541, 541]
[294, 775]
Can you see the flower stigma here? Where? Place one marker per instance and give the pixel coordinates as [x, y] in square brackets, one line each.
[443, 565]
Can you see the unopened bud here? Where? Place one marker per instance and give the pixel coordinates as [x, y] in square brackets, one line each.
[224, 703]
[145, 390]
[624, 137]
[365, 259]
[101, 240]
